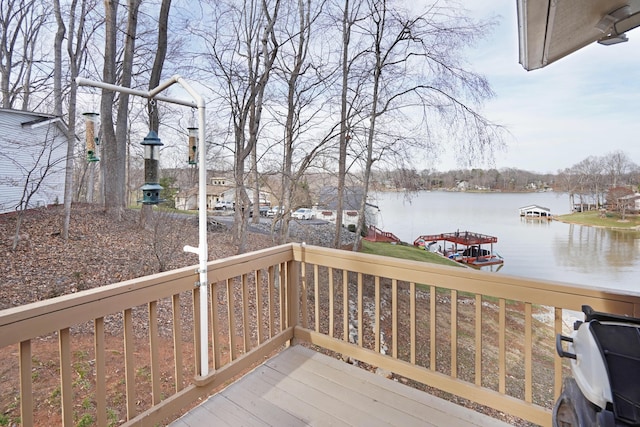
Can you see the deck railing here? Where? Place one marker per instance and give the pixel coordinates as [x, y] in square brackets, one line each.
[128, 353]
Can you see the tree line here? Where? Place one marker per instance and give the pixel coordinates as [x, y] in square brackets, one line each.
[346, 87]
[587, 182]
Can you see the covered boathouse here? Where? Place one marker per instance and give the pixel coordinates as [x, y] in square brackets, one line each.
[466, 247]
[535, 211]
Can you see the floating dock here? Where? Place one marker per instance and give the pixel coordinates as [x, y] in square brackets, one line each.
[464, 247]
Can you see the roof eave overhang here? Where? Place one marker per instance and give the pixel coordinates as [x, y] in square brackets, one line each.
[549, 30]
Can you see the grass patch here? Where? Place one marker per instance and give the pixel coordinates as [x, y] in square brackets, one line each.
[405, 252]
[594, 218]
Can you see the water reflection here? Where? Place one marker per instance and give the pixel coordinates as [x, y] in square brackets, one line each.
[594, 249]
[535, 222]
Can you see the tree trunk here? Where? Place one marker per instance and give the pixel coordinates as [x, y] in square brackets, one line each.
[252, 110]
[343, 137]
[114, 162]
[110, 168]
[156, 73]
[122, 124]
[57, 110]
[242, 201]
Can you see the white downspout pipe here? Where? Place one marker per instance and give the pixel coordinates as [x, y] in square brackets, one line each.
[202, 249]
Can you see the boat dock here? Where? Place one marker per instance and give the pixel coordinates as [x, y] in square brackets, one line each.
[464, 247]
[535, 211]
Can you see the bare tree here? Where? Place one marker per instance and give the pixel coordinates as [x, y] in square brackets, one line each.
[242, 50]
[590, 178]
[109, 150]
[305, 79]
[76, 49]
[620, 199]
[20, 24]
[350, 14]
[414, 62]
[114, 160]
[165, 245]
[617, 165]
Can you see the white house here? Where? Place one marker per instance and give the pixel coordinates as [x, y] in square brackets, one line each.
[462, 185]
[33, 150]
[230, 196]
[188, 199]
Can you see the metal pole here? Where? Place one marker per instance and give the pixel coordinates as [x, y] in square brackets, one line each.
[102, 85]
[202, 249]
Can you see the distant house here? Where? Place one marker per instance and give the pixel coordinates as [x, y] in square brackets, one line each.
[327, 206]
[230, 196]
[188, 199]
[33, 149]
[462, 185]
[630, 202]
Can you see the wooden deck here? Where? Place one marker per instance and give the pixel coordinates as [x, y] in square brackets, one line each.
[301, 387]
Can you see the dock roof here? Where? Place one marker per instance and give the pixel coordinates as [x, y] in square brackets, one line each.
[461, 237]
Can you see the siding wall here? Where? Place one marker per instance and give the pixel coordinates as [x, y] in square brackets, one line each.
[32, 155]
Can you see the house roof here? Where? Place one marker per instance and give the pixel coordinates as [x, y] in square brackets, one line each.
[189, 192]
[36, 119]
[534, 207]
[550, 30]
[630, 197]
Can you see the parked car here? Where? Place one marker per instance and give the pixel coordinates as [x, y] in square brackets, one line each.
[302, 213]
[275, 211]
[222, 205]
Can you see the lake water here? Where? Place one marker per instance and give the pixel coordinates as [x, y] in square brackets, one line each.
[549, 250]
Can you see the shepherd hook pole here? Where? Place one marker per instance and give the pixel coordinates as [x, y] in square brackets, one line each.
[202, 249]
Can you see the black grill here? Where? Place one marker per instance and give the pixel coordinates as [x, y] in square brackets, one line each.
[618, 343]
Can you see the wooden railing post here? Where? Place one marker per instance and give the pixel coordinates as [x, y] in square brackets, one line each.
[293, 294]
[26, 390]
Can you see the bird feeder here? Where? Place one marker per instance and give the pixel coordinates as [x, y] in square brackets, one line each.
[193, 144]
[151, 188]
[91, 121]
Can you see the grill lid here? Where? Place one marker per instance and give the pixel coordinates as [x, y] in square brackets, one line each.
[619, 345]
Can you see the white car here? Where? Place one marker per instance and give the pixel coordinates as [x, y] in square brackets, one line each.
[302, 213]
[222, 205]
[275, 211]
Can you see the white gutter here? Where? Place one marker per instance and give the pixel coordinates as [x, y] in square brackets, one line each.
[202, 249]
[522, 33]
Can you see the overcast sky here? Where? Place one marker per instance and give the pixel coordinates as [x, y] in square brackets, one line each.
[585, 104]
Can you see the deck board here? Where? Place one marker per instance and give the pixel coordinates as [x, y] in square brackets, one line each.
[301, 387]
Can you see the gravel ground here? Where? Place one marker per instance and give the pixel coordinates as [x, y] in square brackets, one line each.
[313, 232]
